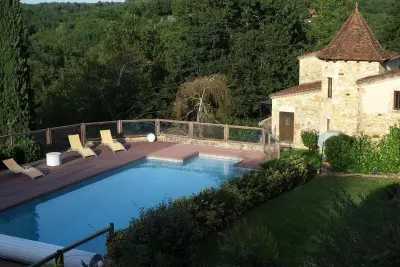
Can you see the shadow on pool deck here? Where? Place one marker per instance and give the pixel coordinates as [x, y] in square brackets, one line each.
[18, 188]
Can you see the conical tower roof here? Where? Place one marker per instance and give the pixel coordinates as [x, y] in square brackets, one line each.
[355, 42]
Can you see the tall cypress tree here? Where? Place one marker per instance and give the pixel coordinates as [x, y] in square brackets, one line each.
[15, 93]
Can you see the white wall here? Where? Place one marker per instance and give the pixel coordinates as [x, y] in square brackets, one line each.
[378, 97]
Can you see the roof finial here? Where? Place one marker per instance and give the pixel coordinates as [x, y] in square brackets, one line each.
[357, 6]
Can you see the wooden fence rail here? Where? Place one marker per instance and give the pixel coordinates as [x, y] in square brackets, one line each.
[192, 129]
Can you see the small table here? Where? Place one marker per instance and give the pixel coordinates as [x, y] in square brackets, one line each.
[53, 159]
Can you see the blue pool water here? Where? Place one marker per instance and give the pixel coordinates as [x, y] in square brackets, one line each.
[71, 214]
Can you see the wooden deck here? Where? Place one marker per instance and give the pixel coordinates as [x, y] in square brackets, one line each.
[18, 188]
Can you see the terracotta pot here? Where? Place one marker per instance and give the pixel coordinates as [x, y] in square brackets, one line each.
[326, 164]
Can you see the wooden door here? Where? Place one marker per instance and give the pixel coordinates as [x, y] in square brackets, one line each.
[286, 126]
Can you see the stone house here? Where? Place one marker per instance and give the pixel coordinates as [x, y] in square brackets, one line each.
[352, 85]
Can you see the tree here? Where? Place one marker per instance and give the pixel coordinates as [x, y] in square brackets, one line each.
[331, 16]
[15, 92]
[203, 100]
[392, 32]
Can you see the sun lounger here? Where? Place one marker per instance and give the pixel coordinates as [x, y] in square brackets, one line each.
[14, 167]
[106, 139]
[76, 146]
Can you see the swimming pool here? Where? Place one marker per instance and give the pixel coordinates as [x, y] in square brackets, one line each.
[68, 215]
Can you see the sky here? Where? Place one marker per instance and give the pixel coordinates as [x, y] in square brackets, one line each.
[64, 1]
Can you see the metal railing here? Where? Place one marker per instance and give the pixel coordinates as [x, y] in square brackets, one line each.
[58, 256]
[57, 137]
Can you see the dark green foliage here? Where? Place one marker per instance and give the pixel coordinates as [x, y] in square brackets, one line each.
[337, 151]
[27, 151]
[135, 55]
[167, 234]
[142, 51]
[47, 16]
[365, 155]
[161, 236]
[293, 167]
[393, 192]
[24, 151]
[365, 234]
[15, 93]
[312, 157]
[389, 148]
[310, 139]
[362, 154]
[254, 248]
[391, 32]
[5, 153]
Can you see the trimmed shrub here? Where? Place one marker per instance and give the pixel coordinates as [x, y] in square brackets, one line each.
[310, 139]
[298, 168]
[167, 234]
[338, 152]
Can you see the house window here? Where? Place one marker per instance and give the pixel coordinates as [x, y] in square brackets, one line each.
[329, 87]
[328, 122]
[396, 101]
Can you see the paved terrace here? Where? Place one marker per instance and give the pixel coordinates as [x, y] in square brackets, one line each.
[18, 188]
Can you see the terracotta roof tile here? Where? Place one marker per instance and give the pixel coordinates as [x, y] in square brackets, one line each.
[380, 77]
[356, 42]
[302, 88]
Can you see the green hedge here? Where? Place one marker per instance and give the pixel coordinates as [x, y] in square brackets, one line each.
[168, 234]
[310, 139]
[24, 151]
[362, 154]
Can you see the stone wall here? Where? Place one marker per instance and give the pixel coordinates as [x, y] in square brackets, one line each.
[377, 111]
[203, 142]
[310, 69]
[342, 109]
[307, 113]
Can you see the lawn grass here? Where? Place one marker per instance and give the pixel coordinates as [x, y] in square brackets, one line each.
[293, 217]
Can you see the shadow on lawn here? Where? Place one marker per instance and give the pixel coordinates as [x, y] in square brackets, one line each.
[294, 219]
[360, 234]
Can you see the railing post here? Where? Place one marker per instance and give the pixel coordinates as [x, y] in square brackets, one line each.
[279, 149]
[263, 137]
[269, 145]
[111, 231]
[11, 140]
[226, 132]
[119, 128]
[83, 133]
[48, 137]
[60, 258]
[158, 130]
[191, 131]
